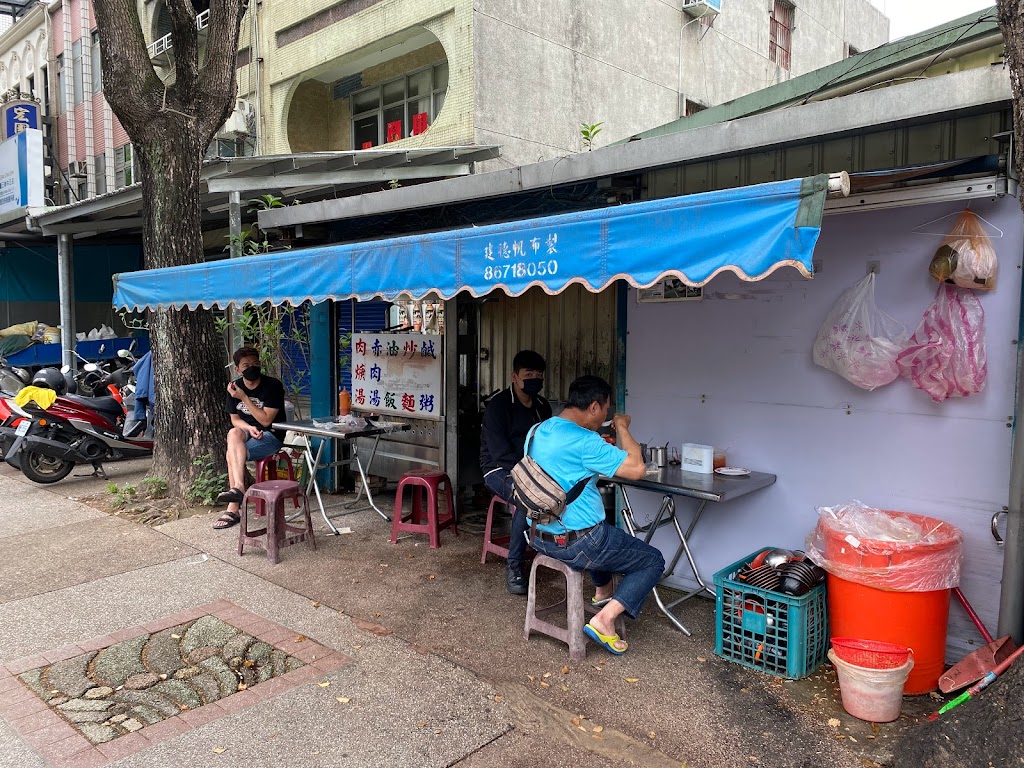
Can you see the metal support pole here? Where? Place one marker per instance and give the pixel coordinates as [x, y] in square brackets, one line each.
[235, 251]
[450, 445]
[1011, 595]
[66, 292]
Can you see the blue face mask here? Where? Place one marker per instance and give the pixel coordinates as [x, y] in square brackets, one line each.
[533, 386]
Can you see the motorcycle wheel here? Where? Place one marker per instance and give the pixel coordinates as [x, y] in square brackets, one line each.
[44, 469]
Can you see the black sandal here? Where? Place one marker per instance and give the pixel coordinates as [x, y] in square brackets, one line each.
[227, 520]
[232, 496]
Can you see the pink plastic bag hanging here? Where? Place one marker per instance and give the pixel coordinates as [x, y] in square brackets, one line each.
[946, 355]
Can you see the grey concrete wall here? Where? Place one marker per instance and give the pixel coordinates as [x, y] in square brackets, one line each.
[729, 58]
[538, 76]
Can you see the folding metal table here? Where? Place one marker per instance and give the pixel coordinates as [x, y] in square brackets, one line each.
[331, 430]
[671, 482]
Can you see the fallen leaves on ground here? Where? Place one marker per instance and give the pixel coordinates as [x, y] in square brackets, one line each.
[575, 721]
[299, 639]
[219, 750]
[242, 687]
[499, 698]
[565, 670]
[344, 699]
[324, 684]
[833, 722]
[651, 734]
[546, 675]
[598, 728]
[632, 679]
[316, 604]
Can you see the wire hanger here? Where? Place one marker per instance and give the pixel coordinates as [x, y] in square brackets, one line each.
[919, 231]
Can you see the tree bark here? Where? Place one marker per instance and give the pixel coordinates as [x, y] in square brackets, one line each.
[1011, 22]
[171, 127]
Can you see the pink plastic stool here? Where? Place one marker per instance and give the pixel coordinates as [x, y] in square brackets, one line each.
[430, 481]
[278, 533]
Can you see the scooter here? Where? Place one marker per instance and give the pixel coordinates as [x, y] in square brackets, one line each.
[47, 444]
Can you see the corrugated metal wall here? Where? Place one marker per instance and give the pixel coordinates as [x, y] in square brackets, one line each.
[574, 331]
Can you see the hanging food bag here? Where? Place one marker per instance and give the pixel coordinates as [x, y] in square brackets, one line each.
[966, 257]
[946, 355]
[859, 341]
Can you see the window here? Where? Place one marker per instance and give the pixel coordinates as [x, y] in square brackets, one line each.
[30, 82]
[398, 108]
[780, 33]
[97, 71]
[61, 74]
[76, 66]
[124, 166]
[692, 108]
[101, 174]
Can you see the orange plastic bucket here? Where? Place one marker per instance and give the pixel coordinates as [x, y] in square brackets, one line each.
[917, 620]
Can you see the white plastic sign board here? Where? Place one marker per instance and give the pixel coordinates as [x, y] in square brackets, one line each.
[398, 373]
[21, 171]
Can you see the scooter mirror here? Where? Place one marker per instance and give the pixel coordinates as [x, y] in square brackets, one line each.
[65, 369]
[122, 353]
[90, 367]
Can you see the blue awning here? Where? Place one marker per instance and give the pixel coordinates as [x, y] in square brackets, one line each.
[751, 231]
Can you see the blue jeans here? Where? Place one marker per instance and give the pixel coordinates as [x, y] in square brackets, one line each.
[263, 448]
[499, 482]
[605, 550]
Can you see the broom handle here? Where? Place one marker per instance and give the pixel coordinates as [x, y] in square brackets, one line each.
[972, 614]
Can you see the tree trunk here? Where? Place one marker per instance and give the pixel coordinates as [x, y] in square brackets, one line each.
[188, 353]
[1011, 22]
[171, 126]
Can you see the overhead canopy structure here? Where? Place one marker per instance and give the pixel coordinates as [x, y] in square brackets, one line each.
[750, 231]
[309, 175]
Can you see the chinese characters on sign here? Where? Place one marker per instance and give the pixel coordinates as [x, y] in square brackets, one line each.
[397, 372]
[19, 116]
[519, 259]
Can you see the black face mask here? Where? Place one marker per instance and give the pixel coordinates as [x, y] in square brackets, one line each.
[533, 386]
[252, 373]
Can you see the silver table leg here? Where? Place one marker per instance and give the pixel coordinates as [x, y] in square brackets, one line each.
[667, 513]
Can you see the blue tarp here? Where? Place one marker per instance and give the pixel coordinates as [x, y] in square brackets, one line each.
[750, 231]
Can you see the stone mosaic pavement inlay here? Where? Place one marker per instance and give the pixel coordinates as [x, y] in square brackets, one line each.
[114, 695]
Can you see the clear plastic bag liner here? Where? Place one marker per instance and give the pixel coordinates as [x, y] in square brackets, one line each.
[884, 549]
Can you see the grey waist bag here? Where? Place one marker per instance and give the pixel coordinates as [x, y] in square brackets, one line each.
[539, 495]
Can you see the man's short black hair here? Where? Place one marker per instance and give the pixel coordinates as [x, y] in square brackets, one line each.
[243, 352]
[527, 358]
[586, 390]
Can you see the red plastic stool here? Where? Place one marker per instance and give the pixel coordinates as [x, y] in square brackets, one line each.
[430, 481]
[499, 545]
[278, 533]
[264, 468]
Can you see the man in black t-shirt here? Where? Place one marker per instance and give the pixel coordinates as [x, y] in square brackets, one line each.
[509, 415]
[253, 402]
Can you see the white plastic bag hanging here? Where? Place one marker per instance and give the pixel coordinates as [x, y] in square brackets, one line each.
[859, 341]
[946, 355]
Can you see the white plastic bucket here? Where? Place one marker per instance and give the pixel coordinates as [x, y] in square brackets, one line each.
[875, 695]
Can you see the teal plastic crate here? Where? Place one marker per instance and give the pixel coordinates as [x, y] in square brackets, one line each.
[775, 633]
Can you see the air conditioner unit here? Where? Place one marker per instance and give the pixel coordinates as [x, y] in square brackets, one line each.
[238, 120]
[698, 8]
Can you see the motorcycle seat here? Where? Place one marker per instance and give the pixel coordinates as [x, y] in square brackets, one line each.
[107, 405]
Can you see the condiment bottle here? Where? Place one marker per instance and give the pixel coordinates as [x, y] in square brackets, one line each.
[344, 402]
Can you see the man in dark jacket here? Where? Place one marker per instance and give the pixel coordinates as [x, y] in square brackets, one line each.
[508, 417]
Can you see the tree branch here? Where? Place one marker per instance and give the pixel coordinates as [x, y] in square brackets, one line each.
[185, 38]
[126, 63]
[217, 84]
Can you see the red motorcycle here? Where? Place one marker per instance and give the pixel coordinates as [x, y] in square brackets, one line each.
[47, 444]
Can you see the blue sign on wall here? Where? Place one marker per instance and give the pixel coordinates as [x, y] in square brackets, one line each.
[19, 116]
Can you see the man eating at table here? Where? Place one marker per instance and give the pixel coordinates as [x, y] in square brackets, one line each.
[569, 449]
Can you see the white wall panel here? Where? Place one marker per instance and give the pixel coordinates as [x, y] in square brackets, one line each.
[735, 370]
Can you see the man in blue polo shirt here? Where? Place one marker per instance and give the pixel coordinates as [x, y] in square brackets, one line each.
[568, 448]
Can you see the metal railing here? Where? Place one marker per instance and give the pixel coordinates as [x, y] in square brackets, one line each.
[164, 44]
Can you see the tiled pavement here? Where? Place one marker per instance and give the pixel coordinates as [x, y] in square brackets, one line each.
[65, 746]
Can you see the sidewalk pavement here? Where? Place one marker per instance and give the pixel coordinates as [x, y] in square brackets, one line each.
[400, 656]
